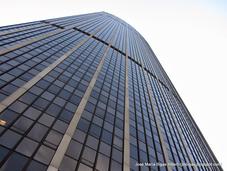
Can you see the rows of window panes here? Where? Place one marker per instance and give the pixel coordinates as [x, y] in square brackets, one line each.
[177, 148]
[168, 139]
[10, 33]
[66, 21]
[16, 27]
[189, 138]
[91, 27]
[106, 32]
[21, 65]
[98, 139]
[144, 139]
[16, 39]
[37, 121]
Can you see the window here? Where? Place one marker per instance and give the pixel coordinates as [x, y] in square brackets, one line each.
[22, 124]
[53, 110]
[15, 162]
[32, 113]
[28, 98]
[102, 162]
[27, 147]
[37, 132]
[44, 154]
[92, 142]
[53, 138]
[18, 107]
[35, 166]
[88, 156]
[95, 130]
[67, 164]
[66, 115]
[41, 103]
[60, 126]
[9, 116]
[46, 120]
[74, 149]
[79, 136]
[105, 148]
[83, 167]
[83, 125]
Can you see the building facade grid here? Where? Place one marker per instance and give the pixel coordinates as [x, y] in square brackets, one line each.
[87, 92]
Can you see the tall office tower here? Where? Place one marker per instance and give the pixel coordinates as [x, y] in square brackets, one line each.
[87, 93]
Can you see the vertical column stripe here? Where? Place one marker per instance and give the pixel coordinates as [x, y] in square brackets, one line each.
[10, 99]
[166, 158]
[35, 39]
[126, 124]
[178, 128]
[126, 163]
[59, 154]
[30, 41]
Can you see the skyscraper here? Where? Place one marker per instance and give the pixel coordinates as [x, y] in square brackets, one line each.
[88, 93]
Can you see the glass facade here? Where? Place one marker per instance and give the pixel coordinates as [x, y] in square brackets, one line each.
[87, 93]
